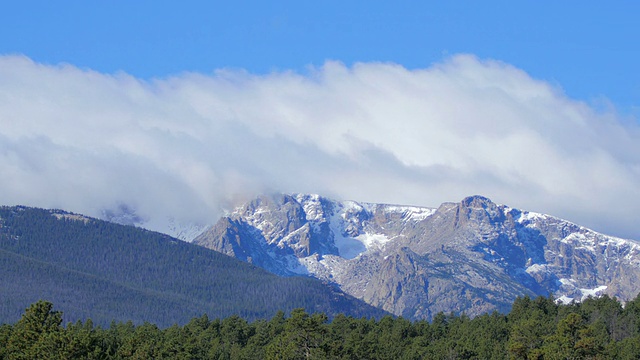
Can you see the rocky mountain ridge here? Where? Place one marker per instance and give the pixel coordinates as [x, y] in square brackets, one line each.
[473, 256]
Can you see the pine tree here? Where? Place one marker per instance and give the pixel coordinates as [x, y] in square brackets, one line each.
[38, 334]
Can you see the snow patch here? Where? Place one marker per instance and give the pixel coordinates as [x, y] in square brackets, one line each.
[592, 292]
[311, 205]
[564, 300]
[349, 248]
[413, 213]
[570, 288]
[373, 240]
[581, 241]
[350, 207]
[536, 268]
[74, 217]
[568, 282]
[528, 216]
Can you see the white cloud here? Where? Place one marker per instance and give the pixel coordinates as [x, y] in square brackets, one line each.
[190, 145]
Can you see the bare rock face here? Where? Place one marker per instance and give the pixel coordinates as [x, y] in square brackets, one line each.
[473, 256]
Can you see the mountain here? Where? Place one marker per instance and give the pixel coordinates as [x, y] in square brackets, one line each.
[104, 271]
[473, 256]
[124, 214]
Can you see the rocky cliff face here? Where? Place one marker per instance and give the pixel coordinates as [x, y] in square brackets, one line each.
[474, 256]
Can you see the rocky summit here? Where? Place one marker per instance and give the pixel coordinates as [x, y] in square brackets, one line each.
[469, 257]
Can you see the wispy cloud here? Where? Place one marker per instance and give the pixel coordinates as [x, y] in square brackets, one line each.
[191, 145]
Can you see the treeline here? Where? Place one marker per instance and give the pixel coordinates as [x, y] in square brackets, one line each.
[598, 328]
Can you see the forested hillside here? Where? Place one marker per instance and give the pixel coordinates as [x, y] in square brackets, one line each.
[535, 329]
[104, 271]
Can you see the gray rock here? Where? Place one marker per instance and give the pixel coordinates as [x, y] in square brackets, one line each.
[469, 257]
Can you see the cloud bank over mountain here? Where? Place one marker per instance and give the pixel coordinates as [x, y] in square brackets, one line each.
[192, 145]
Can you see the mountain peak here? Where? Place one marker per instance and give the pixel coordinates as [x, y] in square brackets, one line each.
[473, 256]
[476, 201]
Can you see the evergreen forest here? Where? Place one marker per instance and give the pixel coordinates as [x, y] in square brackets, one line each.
[95, 269]
[597, 328]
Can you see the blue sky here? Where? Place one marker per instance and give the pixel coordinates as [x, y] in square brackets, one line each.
[183, 109]
[589, 48]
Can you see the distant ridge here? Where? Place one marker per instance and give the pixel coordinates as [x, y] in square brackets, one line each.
[96, 269]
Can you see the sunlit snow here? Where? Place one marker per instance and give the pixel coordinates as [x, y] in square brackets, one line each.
[593, 292]
[535, 268]
[564, 300]
[311, 205]
[351, 247]
[412, 212]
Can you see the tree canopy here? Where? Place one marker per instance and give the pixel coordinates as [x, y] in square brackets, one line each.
[597, 328]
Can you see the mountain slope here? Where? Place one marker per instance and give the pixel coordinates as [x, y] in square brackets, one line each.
[105, 271]
[473, 256]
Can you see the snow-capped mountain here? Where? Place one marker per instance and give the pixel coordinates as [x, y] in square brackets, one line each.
[126, 215]
[473, 256]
